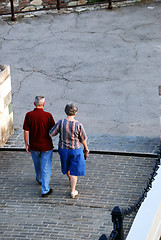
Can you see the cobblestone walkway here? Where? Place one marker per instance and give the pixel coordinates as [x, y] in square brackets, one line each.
[110, 181]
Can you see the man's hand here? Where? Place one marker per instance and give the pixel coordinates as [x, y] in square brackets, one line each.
[26, 139]
[27, 148]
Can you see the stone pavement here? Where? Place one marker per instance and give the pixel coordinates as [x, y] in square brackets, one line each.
[108, 62]
[109, 181]
[125, 144]
[113, 59]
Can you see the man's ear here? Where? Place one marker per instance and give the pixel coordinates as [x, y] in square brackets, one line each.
[34, 104]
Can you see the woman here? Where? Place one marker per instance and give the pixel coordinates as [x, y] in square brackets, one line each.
[72, 137]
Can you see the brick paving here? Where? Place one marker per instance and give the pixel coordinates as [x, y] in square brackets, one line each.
[111, 180]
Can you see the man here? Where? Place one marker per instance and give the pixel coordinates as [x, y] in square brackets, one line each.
[37, 125]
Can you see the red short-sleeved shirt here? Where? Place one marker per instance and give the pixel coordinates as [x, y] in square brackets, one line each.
[38, 123]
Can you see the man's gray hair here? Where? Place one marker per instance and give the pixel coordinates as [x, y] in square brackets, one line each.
[39, 100]
[71, 109]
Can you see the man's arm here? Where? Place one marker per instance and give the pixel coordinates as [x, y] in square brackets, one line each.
[26, 139]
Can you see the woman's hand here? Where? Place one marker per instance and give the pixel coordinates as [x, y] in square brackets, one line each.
[85, 151]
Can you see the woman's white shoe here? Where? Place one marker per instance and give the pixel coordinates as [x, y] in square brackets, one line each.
[74, 194]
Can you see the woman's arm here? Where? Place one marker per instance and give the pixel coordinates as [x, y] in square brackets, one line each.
[85, 146]
[55, 130]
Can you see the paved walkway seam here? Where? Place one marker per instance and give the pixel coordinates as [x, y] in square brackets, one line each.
[137, 154]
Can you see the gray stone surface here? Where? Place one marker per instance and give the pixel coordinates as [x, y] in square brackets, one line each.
[109, 181]
[108, 62]
[125, 144]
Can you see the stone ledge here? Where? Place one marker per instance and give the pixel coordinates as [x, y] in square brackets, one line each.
[4, 73]
[6, 113]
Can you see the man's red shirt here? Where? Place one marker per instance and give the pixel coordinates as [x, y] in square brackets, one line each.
[38, 123]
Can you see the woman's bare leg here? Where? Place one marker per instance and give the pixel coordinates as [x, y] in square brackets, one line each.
[68, 174]
[73, 181]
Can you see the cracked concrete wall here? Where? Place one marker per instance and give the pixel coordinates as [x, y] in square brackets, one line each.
[6, 113]
[108, 62]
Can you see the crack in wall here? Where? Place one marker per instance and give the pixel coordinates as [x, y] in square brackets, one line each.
[116, 126]
[3, 38]
[21, 82]
[120, 36]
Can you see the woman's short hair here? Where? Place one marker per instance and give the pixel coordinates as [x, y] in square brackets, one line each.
[39, 100]
[71, 109]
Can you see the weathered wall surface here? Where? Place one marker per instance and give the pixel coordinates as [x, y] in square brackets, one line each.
[31, 5]
[6, 113]
[107, 62]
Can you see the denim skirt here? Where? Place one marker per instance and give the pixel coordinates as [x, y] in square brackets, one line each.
[72, 160]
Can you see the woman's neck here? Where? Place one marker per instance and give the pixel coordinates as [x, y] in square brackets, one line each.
[70, 118]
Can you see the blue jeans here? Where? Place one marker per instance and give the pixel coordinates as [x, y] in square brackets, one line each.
[42, 163]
